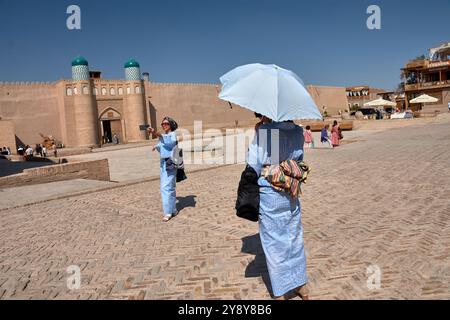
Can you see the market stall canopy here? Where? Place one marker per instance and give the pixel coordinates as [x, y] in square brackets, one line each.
[424, 98]
[379, 103]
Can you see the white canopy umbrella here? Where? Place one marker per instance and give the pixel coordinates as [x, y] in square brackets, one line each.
[380, 102]
[424, 98]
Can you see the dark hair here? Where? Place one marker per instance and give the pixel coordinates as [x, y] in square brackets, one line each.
[308, 127]
[173, 124]
[258, 115]
[335, 123]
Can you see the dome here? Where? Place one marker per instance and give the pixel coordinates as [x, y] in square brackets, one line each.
[79, 61]
[131, 63]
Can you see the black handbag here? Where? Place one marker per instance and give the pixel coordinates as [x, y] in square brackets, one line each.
[247, 203]
[181, 175]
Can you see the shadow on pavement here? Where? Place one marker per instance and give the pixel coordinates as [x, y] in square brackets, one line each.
[186, 202]
[258, 267]
[14, 167]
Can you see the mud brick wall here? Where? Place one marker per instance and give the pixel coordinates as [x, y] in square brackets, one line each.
[7, 135]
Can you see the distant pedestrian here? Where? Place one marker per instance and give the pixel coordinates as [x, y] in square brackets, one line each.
[38, 149]
[55, 150]
[9, 151]
[335, 134]
[309, 140]
[20, 151]
[116, 138]
[4, 151]
[324, 138]
[44, 151]
[28, 152]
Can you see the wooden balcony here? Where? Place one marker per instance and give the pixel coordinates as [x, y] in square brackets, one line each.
[427, 85]
[417, 64]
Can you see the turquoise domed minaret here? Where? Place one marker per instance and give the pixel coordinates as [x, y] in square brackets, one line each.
[80, 68]
[84, 129]
[134, 103]
[132, 70]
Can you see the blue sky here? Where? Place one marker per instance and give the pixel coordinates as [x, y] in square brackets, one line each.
[326, 42]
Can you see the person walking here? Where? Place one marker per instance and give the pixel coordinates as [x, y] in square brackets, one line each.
[38, 149]
[335, 134]
[44, 151]
[28, 152]
[280, 227]
[324, 138]
[309, 140]
[168, 171]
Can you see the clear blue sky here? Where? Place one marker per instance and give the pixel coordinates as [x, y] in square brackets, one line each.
[326, 42]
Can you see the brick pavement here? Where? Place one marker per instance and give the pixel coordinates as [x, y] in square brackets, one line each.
[384, 200]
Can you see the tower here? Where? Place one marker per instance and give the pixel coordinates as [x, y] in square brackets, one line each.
[85, 109]
[134, 102]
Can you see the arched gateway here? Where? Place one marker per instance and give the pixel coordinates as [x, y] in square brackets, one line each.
[110, 123]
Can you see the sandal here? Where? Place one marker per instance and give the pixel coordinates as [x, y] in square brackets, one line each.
[303, 292]
[165, 219]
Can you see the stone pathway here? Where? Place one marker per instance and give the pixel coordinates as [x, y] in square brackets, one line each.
[23, 195]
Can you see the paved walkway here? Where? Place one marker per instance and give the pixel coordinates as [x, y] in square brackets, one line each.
[382, 201]
[23, 195]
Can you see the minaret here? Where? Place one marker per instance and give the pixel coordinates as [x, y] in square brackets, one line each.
[86, 122]
[134, 102]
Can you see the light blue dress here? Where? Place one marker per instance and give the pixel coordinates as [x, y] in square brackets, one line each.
[280, 225]
[165, 146]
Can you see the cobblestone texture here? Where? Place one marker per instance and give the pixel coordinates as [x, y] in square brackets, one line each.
[384, 200]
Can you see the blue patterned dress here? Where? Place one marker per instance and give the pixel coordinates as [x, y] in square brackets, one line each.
[280, 225]
[165, 146]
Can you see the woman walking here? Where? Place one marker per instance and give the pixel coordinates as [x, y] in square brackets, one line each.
[167, 143]
[280, 226]
[335, 134]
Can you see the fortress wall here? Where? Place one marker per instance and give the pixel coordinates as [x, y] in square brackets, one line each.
[69, 121]
[116, 104]
[189, 102]
[33, 108]
[333, 98]
[7, 135]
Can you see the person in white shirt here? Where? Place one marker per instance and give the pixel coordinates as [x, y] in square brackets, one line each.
[28, 152]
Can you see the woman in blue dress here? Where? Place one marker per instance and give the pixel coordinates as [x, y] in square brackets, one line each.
[167, 143]
[280, 226]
